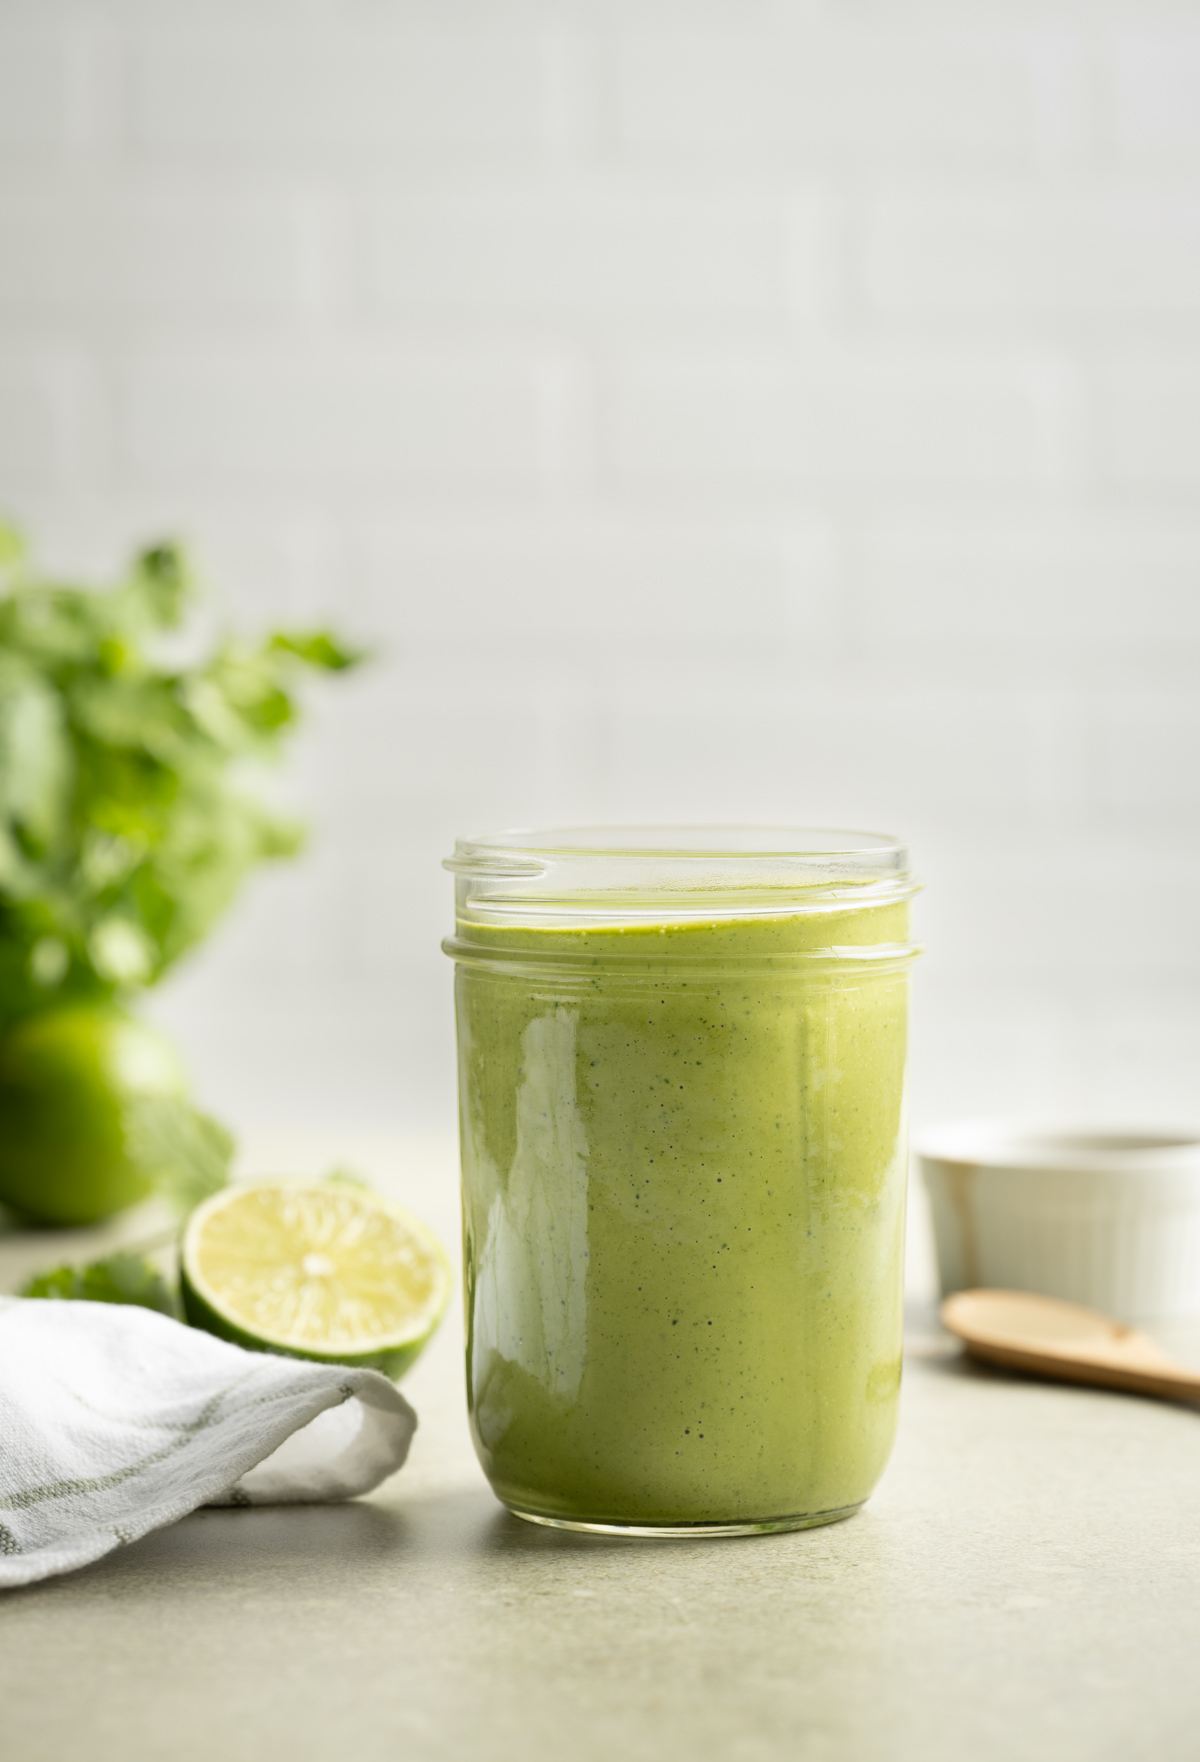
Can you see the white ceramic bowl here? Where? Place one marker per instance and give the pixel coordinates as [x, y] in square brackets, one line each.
[1109, 1218]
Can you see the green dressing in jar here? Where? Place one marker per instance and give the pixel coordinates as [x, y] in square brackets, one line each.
[682, 1076]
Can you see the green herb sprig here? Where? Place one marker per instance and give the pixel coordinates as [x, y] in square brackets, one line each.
[127, 816]
[118, 1278]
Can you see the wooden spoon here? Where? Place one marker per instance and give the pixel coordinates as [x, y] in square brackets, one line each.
[1064, 1340]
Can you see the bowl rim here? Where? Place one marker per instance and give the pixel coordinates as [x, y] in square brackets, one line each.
[1059, 1144]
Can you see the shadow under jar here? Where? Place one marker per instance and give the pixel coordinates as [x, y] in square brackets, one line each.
[682, 1104]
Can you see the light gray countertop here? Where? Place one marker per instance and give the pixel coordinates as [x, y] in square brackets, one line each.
[1025, 1584]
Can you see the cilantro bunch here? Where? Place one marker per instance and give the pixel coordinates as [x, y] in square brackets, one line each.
[127, 816]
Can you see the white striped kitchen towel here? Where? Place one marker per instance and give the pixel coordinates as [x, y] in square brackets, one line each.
[116, 1420]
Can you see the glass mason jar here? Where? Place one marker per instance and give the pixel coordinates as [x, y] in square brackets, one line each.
[682, 1106]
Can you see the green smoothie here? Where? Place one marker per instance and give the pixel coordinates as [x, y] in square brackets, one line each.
[684, 1182]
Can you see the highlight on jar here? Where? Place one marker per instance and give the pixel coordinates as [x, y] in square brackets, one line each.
[682, 1072]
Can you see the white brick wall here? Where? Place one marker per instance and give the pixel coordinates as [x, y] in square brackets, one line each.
[30, 438]
[1076, 585]
[276, 89]
[573, 248]
[1151, 76]
[893, 418]
[751, 410]
[827, 87]
[1020, 254]
[33, 91]
[240, 417]
[1148, 420]
[85, 253]
[588, 580]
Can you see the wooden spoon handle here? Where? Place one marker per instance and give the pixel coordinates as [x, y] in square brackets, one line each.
[1170, 1384]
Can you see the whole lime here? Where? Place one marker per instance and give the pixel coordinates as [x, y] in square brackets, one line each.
[68, 1081]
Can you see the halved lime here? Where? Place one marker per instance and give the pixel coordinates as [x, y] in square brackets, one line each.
[335, 1273]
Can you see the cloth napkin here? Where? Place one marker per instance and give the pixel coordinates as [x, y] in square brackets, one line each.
[116, 1420]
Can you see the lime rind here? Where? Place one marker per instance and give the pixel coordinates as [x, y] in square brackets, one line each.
[393, 1361]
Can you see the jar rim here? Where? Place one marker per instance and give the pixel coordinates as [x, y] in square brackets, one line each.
[629, 874]
[684, 844]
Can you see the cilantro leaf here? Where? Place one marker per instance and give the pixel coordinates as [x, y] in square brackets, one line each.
[344, 1177]
[118, 1278]
[185, 1152]
[128, 819]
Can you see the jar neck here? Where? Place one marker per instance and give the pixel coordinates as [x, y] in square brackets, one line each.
[627, 877]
